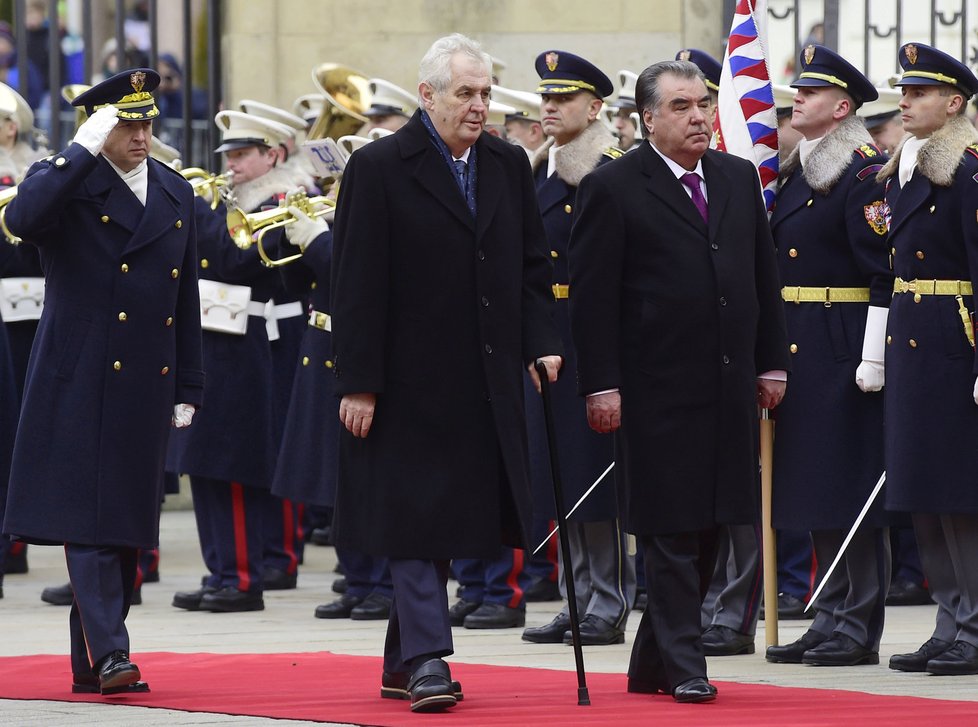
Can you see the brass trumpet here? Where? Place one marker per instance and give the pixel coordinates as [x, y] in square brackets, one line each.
[5, 196]
[205, 184]
[247, 229]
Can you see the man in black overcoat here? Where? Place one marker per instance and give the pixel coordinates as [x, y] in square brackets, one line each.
[679, 328]
[441, 298]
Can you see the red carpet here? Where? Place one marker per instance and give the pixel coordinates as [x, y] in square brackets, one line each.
[332, 688]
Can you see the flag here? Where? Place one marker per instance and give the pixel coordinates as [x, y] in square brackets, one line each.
[746, 121]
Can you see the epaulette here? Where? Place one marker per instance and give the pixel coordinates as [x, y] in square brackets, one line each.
[867, 151]
[613, 152]
[867, 171]
[972, 149]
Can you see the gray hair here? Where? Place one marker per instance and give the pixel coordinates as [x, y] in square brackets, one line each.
[647, 94]
[436, 66]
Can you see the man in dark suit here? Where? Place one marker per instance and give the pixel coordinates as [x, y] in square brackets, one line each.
[440, 299]
[116, 360]
[679, 329]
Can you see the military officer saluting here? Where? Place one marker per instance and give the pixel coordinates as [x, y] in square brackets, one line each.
[830, 230]
[116, 361]
[931, 392]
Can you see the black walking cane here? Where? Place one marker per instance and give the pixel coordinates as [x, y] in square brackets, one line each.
[583, 700]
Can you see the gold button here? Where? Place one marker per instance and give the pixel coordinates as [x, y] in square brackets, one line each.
[920, 254]
[809, 203]
[60, 162]
[893, 251]
[305, 360]
[105, 218]
[568, 209]
[123, 316]
[932, 208]
[792, 253]
[793, 348]
[916, 297]
[124, 268]
[169, 321]
[179, 224]
[117, 365]
[913, 343]
[165, 370]
[204, 263]
[328, 364]
[313, 285]
[554, 255]
[174, 273]
[889, 340]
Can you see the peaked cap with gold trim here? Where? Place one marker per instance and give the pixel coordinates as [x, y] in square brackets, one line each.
[705, 62]
[129, 91]
[563, 72]
[821, 66]
[926, 66]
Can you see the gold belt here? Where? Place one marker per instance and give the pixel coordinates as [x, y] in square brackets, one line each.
[561, 291]
[322, 321]
[801, 294]
[932, 287]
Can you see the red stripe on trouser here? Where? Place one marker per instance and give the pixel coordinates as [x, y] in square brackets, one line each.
[512, 580]
[288, 535]
[17, 547]
[553, 549]
[300, 516]
[240, 536]
[811, 575]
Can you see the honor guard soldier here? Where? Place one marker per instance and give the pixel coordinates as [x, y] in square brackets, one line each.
[626, 114]
[931, 393]
[118, 344]
[230, 452]
[882, 119]
[390, 106]
[571, 89]
[829, 226]
[523, 124]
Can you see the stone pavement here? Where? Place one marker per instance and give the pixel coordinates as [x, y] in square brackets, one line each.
[28, 626]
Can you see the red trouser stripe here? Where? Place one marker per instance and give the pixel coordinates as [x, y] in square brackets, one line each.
[512, 580]
[240, 536]
[288, 535]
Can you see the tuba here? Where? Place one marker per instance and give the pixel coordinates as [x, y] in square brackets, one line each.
[211, 187]
[5, 196]
[347, 96]
[246, 228]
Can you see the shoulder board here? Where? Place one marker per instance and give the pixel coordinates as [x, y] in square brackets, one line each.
[613, 152]
[867, 151]
[868, 171]
[973, 150]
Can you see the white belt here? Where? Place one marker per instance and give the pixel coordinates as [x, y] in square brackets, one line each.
[266, 311]
[289, 310]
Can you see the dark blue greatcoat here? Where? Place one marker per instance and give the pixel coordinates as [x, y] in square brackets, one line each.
[584, 454]
[307, 462]
[680, 316]
[117, 346]
[438, 314]
[234, 438]
[828, 448]
[931, 416]
[20, 261]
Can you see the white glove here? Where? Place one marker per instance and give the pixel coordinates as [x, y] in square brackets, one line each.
[183, 414]
[975, 392]
[869, 374]
[305, 229]
[93, 133]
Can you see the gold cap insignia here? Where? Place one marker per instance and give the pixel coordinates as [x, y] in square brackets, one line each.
[911, 51]
[684, 55]
[809, 54]
[551, 59]
[137, 80]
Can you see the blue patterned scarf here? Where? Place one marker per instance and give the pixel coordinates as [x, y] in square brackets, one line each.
[466, 185]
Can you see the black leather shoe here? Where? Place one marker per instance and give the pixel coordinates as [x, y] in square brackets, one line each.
[136, 599]
[495, 616]
[58, 595]
[374, 607]
[15, 564]
[552, 633]
[541, 591]
[791, 609]
[648, 686]
[596, 632]
[961, 658]
[695, 690]
[340, 585]
[88, 684]
[641, 601]
[724, 641]
[340, 608]
[321, 536]
[230, 600]
[276, 579]
[793, 652]
[917, 660]
[116, 672]
[840, 650]
[430, 687]
[393, 685]
[190, 600]
[461, 609]
[152, 577]
[907, 593]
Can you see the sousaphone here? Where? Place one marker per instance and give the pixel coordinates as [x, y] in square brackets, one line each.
[347, 94]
